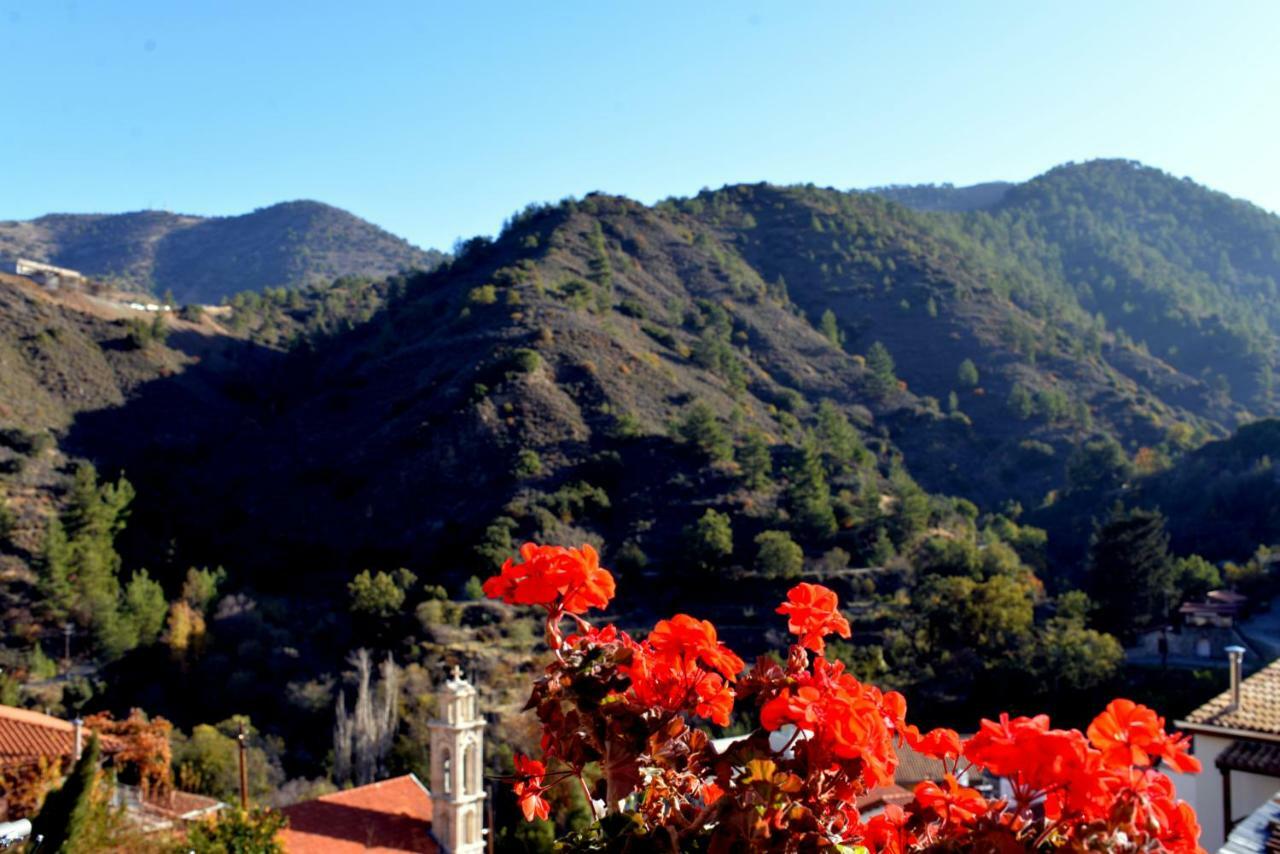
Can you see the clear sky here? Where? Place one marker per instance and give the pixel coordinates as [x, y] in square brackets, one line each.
[437, 120]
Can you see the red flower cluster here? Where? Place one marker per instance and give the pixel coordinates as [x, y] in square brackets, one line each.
[1098, 787]
[625, 707]
[683, 665]
[571, 579]
[813, 615]
[842, 719]
[1129, 734]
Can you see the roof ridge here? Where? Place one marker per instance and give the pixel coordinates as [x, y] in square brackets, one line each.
[33, 717]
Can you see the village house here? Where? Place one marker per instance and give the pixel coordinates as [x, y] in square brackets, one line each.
[1236, 737]
[36, 751]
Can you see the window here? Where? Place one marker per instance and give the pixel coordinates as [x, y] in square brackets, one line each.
[446, 767]
[469, 770]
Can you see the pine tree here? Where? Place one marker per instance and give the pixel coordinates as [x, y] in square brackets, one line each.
[1130, 572]
[55, 570]
[842, 447]
[755, 461]
[830, 328]
[809, 495]
[882, 379]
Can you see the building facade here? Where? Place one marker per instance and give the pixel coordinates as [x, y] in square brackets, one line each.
[457, 768]
[1236, 737]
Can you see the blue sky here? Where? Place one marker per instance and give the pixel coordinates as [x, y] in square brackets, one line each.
[438, 120]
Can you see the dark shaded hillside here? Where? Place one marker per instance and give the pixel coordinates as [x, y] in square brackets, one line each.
[578, 337]
[293, 244]
[1224, 498]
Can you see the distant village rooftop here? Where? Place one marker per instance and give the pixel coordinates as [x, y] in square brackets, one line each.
[27, 736]
[389, 817]
[1255, 715]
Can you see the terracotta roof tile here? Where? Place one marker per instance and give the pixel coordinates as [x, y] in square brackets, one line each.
[881, 796]
[380, 818]
[1259, 706]
[915, 768]
[25, 736]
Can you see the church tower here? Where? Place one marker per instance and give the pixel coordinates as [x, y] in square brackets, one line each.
[457, 766]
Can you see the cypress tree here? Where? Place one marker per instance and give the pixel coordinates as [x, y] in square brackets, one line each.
[66, 817]
[1130, 571]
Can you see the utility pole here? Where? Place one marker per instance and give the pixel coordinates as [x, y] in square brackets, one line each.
[244, 769]
[67, 629]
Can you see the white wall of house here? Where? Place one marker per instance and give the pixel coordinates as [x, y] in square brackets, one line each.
[1204, 790]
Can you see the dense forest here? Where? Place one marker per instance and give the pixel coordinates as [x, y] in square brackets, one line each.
[975, 412]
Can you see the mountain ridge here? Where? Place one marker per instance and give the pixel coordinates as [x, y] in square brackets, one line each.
[206, 259]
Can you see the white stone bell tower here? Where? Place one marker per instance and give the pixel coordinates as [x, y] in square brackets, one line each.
[457, 766]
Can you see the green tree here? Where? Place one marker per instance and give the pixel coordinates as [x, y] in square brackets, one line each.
[809, 495]
[778, 556]
[496, 544]
[1098, 465]
[755, 461]
[65, 821]
[200, 587]
[378, 596]
[473, 590]
[1020, 402]
[1194, 577]
[1130, 572]
[967, 374]
[830, 328]
[208, 761]
[841, 445]
[702, 429]
[710, 539]
[235, 831]
[880, 365]
[145, 606]
[911, 510]
[528, 464]
[55, 583]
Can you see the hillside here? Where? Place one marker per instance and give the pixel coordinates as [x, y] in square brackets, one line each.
[724, 393]
[205, 259]
[588, 330]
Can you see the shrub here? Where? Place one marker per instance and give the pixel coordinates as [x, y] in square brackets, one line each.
[483, 295]
[525, 361]
[778, 556]
[528, 464]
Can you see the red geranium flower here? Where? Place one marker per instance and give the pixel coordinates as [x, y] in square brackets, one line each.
[813, 615]
[528, 788]
[550, 574]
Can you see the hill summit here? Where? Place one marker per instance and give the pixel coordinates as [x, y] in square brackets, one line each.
[203, 259]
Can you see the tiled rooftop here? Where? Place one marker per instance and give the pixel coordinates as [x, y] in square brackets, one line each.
[25, 736]
[1259, 705]
[387, 817]
[1252, 757]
